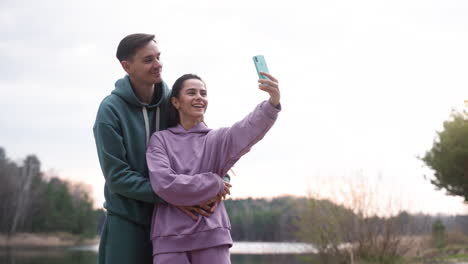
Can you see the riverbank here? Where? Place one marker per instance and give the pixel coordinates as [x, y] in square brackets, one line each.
[59, 239]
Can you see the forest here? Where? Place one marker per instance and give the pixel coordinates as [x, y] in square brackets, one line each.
[33, 201]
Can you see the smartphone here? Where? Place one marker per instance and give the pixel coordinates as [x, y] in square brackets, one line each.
[261, 66]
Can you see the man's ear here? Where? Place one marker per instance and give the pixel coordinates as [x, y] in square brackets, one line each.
[175, 102]
[125, 65]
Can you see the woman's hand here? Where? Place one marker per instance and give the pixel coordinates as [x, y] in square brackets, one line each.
[271, 87]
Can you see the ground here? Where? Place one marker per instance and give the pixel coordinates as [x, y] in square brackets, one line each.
[44, 240]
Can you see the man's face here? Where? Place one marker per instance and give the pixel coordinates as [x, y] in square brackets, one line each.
[145, 67]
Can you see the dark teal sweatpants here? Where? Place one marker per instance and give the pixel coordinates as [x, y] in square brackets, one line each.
[124, 242]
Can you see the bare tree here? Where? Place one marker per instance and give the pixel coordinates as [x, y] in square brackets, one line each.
[354, 219]
[23, 194]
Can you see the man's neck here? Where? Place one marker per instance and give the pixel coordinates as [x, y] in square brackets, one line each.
[143, 91]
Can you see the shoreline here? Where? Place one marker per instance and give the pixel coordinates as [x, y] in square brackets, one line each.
[45, 240]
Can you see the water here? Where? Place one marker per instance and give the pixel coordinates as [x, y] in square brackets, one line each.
[249, 248]
[241, 253]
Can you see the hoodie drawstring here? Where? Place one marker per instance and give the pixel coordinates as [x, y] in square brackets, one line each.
[158, 111]
[145, 116]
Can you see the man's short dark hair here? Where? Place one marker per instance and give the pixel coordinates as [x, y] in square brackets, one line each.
[129, 45]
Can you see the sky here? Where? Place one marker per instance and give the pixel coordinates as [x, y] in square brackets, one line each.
[365, 84]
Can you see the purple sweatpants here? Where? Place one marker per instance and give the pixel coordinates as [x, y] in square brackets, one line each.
[213, 255]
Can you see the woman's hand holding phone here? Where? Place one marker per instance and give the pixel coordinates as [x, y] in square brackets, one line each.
[270, 86]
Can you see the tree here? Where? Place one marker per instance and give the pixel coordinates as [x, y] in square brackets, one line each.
[448, 156]
[23, 193]
[438, 234]
[7, 191]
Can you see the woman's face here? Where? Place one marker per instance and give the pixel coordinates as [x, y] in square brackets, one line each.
[192, 101]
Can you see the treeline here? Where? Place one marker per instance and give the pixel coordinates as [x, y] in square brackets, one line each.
[31, 201]
[264, 220]
[284, 219]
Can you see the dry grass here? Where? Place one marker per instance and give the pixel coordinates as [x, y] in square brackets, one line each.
[418, 245]
[457, 238]
[423, 251]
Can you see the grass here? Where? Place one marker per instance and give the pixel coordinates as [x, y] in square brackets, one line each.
[387, 260]
[448, 254]
[55, 239]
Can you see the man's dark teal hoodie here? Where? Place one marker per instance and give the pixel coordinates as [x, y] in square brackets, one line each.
[122, 129]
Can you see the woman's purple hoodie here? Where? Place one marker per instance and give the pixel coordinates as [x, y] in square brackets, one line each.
[185, 168]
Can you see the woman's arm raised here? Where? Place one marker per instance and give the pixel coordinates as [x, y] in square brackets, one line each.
[237, 140]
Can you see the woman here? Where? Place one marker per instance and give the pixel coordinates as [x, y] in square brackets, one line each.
[185, 163]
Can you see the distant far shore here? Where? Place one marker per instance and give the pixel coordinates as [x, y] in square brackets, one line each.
[58, 239]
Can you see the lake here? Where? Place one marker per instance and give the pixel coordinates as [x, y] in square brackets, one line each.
[241, 253]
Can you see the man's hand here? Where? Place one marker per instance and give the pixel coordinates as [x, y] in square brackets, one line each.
[211, 204]
[226, 191]
[191, 210]
[207, 208]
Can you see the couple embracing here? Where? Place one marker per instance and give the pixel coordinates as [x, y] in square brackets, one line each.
[165, 170]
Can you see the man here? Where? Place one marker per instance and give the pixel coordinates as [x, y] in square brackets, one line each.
[126, 118]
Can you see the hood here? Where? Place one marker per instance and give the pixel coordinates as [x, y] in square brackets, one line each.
[198, 128]
[124, 90]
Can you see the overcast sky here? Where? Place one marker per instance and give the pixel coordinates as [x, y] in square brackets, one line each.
[365, 83]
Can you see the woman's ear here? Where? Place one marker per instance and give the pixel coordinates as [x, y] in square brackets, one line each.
[175, 102]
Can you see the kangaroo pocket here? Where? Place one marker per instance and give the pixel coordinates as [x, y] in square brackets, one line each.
[168, 220]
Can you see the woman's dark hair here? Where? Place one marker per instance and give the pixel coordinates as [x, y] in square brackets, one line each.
[129, 45]
[176, 88]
